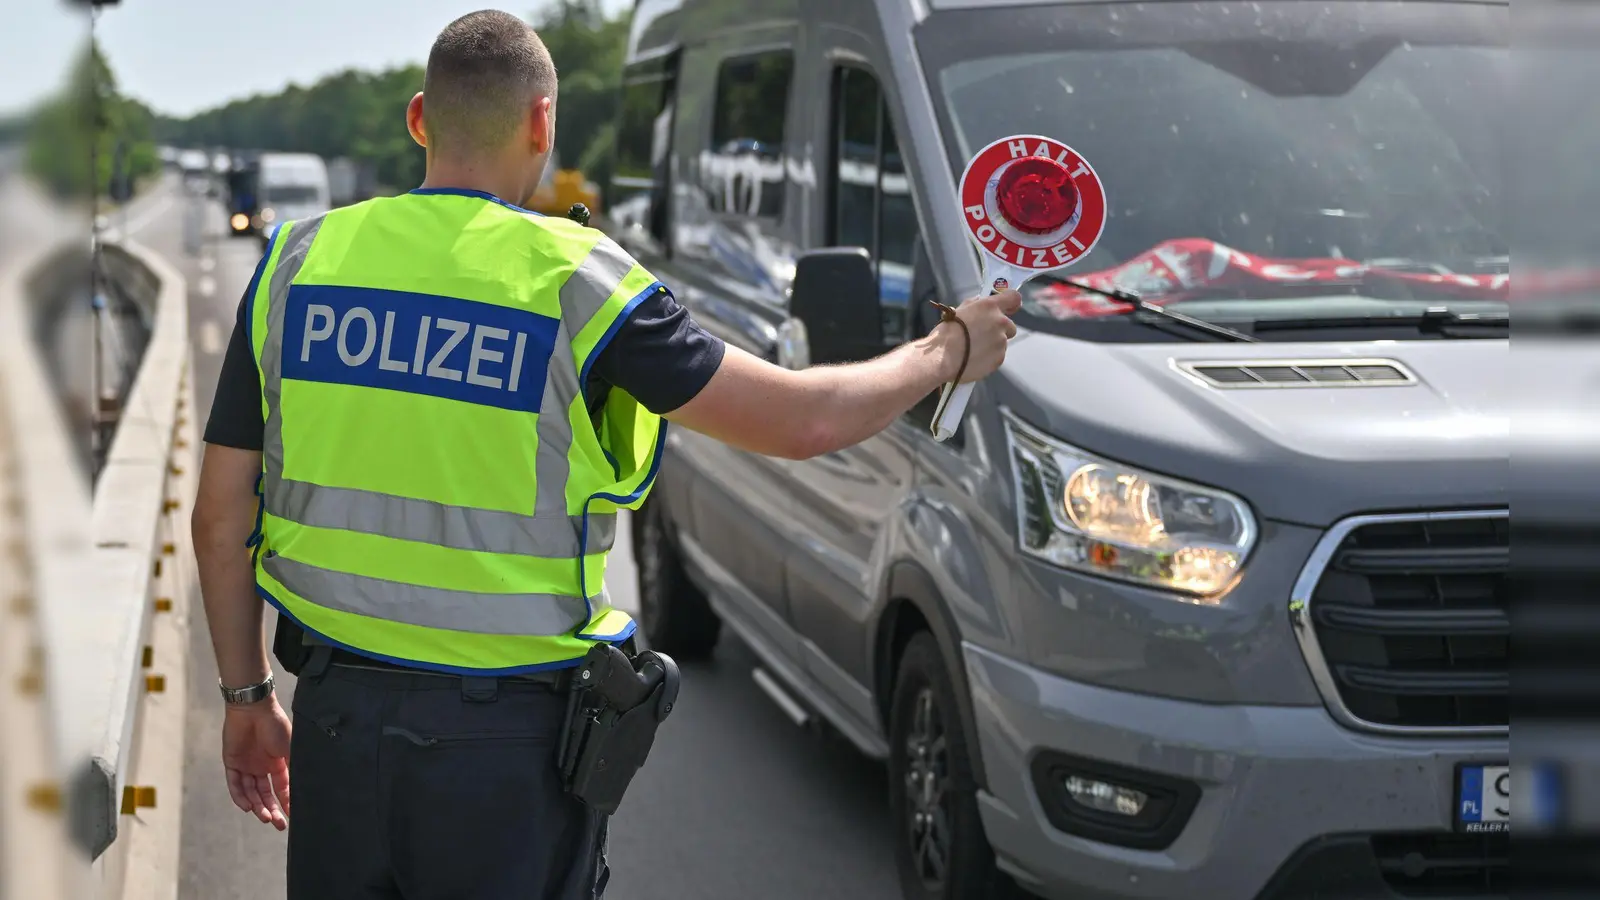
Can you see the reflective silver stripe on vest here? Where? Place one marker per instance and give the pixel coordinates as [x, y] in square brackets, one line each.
[543, 615]
[582, 296]
[293, 255]
[548, 533]
[456, 527]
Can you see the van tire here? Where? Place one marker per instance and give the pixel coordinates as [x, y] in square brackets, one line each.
[926, 740]
[674, 614]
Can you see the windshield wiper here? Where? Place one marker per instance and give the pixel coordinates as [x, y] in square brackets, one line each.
[1141, 305]
[1438, 320]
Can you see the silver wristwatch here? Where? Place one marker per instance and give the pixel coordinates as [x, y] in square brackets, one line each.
[255, 693]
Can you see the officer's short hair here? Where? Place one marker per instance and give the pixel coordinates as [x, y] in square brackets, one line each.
[483, 71]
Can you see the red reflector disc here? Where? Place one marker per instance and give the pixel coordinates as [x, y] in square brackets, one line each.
[1036, 195]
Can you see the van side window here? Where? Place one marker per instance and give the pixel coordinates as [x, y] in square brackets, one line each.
[747, 133]
[871, 196]
[638, 188]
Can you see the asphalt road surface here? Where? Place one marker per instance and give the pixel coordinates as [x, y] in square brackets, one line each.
[735, 802]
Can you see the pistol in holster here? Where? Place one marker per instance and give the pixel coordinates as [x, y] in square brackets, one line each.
[614, 707]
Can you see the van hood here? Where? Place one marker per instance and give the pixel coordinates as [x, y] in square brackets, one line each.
[1308, 454]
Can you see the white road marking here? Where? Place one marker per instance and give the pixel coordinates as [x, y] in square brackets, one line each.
[210, 337]
[207, 263]
[207, 285]
[147, 216]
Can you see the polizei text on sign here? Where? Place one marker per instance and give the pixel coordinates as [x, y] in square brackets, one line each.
[1009, 244]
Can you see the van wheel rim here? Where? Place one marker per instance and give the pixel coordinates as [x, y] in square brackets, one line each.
[927, 783]
[652, 567]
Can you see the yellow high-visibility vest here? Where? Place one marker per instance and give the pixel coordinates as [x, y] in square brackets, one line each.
[435, 489]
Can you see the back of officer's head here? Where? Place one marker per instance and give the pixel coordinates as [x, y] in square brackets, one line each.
[486, 74]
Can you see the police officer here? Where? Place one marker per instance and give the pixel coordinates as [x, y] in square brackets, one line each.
[432, 409]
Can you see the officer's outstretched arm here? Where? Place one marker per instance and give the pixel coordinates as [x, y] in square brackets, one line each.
[763, 408]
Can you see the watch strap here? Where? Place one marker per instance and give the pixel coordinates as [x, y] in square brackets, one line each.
[254, 693]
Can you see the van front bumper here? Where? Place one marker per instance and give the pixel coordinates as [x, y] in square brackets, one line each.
[1269, 797]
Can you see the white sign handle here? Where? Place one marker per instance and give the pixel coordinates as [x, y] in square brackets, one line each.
[952, 406]
[953, 399]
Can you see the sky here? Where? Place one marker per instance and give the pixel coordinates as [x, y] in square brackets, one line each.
[182, 56]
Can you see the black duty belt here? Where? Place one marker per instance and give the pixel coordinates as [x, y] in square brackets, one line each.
[555, 678]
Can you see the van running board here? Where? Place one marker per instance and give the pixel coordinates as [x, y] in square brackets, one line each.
[779, 696]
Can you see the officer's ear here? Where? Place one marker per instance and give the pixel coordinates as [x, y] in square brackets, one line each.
[414, 120]
[543, 130]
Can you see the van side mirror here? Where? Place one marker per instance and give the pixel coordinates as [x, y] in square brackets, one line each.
[835, 295]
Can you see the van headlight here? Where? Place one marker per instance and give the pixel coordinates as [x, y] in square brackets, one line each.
[1082, 512]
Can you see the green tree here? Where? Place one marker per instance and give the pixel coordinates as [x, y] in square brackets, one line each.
[588, 49]
[89, 115]
[351, 113]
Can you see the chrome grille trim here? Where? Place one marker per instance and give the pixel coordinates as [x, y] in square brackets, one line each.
[1305, 587]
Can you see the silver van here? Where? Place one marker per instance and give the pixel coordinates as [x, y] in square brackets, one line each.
[1178, 612]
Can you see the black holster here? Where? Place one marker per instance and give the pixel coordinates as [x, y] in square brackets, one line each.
[614, 708]
[290, 646]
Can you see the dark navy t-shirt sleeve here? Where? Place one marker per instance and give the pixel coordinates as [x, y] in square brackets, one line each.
[236, 408]
[660, 356]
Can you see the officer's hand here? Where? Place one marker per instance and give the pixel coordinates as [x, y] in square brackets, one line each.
[255, 756]
[988, 320]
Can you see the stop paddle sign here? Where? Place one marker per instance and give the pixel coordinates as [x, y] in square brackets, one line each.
[1032, 205]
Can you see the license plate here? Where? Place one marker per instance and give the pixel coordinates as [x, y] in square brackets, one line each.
[1483, 798]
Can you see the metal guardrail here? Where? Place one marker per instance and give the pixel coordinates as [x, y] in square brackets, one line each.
[106, 577]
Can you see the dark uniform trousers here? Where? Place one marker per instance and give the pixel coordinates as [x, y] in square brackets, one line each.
[432, 787]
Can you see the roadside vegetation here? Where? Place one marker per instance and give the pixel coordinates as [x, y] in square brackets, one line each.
[361, 114]
[88, 112]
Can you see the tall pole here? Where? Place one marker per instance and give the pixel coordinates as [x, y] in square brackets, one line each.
[96, 362]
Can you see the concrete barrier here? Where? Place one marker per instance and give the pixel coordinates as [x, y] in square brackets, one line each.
[112, 572]
[46, 547]
[33, 861]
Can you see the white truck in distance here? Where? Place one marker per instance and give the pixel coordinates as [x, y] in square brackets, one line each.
[293, 186]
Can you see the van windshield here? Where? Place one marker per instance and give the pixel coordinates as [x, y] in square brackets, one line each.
[1260, 159]
[292, 194]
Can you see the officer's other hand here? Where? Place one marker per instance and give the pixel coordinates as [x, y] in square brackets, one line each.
[255, 757]
[988, 321]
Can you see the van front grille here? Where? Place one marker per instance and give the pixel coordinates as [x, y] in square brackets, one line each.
[1405, 620]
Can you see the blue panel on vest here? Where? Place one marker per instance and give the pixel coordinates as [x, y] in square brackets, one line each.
[419, 344]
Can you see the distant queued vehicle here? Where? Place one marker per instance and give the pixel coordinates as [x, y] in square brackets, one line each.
[194, 166]
[292, 186]
[243, 182]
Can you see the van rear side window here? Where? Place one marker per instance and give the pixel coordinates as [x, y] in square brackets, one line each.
[747, 126]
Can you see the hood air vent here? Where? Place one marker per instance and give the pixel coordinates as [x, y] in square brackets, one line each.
[1300, 373]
